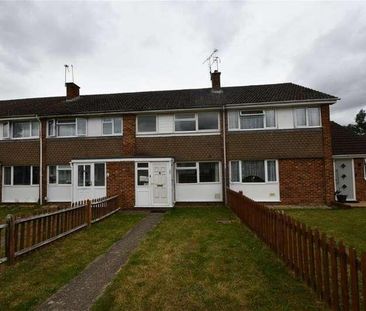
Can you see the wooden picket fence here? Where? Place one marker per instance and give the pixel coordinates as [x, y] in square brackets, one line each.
[330, 268]
[23, 235]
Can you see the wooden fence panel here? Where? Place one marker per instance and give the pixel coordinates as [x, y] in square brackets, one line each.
[3, 257]
[335, 274]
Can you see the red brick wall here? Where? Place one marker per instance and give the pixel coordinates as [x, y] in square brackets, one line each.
[301, 181]
[121, 180]
[360, 180]
[19, 152]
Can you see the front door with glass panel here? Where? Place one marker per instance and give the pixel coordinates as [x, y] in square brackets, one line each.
[344, 178]
[160, 183]
[89, 181]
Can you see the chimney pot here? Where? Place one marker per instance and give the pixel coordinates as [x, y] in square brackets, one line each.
[215, 79]
[72, 90]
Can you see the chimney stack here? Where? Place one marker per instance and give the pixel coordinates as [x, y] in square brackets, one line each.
[215, 79]
[72, 90]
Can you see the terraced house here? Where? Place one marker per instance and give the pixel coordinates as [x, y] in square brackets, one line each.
[273, 142]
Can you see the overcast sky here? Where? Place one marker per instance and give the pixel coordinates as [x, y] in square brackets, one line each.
[122, 46]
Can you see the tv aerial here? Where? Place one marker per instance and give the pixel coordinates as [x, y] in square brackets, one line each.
[213, 60]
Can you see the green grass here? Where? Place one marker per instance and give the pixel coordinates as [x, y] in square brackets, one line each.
[347, 225]
[18, 209]
[191, 262]
[36, 276]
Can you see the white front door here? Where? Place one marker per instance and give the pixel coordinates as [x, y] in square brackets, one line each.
[160, 183]
[344, 177]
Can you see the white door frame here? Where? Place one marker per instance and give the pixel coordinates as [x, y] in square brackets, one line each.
[147, 190]
[353, 175]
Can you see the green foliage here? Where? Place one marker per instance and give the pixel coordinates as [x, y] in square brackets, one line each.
[360, 127]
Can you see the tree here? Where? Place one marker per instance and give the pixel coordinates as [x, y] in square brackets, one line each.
[360, 127]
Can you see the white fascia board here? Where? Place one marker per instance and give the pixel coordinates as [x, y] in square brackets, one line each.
[123, 160]
[35, 117]
[349, 156]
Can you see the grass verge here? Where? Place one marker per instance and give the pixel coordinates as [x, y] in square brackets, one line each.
[347, 225]
[191, 262]
[18, 209]
[36, 276]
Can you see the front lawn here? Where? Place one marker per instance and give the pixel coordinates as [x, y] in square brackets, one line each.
[192, 262]
[347, 225]
[36, 276]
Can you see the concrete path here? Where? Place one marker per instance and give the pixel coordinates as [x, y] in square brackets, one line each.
[83, 290]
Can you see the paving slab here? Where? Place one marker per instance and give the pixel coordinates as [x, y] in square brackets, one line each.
[81, 293]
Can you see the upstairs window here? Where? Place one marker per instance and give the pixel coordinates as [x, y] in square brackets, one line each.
[146, 124]
[25, 129]
[6, 129]
[251, 119]
[67, 127]
[307, 117]
[263, 171]
[201, 121]
[112, 126]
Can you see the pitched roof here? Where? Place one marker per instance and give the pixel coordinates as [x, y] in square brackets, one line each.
[160, 100]
[345, 142]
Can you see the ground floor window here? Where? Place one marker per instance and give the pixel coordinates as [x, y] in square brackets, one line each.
[21, 175]
[59, 174]
[253, 171]
[197, 172]
[91, 175]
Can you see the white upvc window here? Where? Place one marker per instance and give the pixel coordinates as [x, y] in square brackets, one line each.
[307, 117]
[6, 130]
[59, 174]
[67, 127]
[21, 175]
[197, 172]
[201, 121]
[25, 129]
[143, 175]
[146, 124]
[252, 119]
[111, 126]
[254, 171]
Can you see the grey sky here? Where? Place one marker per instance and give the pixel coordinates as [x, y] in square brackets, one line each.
[121, 46]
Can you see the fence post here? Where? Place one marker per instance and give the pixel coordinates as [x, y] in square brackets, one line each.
[10, 238]
[88, 213]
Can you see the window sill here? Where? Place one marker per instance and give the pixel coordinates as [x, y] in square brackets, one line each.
[178, 134]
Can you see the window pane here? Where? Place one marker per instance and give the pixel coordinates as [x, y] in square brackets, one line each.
[314, 116]
[51, 128]
[81, 123]
[252, 122]
[235, 171]
[185, 125]
[209, 171]
[66, 128]
[252, 171]
[117, 125]
[300, 115]
[208, 121]
[99, 174]
[64, 176]
[184, 116]
[52, 174]
[233, 119]
[7, 175]
[21, 129]
[80, 175]
[187, 176]
[6, 129]
[107, 127]
[35, 128]
[146, 123]
[22, 175]
[142, 164]
[87, 176]
[142, 177]
[271, 170]
[186, 164]
[270, 118]
[35, 175]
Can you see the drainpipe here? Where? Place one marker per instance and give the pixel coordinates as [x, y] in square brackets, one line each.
[40, 162]
[224, 146]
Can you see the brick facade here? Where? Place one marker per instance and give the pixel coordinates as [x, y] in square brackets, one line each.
[360, 180]
[121, 180]
[19, 152]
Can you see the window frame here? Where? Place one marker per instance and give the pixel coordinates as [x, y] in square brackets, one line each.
[307, 117]
[57, 123]
[241, 113]
[147, 132]
[31, 184]
[59, 168]
[92, 175]
[112, 121]
[364, 168]
[254, 183]
[195, 118]
[7, 124]
[144, 168]
[197, 168]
